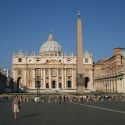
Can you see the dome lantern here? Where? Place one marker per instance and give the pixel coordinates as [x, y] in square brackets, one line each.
[51, 37]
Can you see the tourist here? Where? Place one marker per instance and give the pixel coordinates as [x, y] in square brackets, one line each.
[64, 99]
[16, 106]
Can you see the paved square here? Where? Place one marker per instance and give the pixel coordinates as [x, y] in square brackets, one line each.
[87, 113]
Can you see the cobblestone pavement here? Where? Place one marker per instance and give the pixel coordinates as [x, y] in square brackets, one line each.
[53, 113]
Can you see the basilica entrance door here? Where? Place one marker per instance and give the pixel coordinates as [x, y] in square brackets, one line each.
[18, 83]
[53, 84]
[86, 82]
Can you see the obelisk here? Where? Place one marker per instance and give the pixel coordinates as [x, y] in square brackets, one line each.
[79, 64]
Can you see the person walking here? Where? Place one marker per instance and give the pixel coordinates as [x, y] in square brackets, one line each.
[64, 99]
[16, 106]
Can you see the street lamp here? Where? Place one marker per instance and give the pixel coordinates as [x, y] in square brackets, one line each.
[106, 85]
[37, 84]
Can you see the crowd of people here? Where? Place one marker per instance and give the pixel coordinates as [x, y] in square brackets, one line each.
[70, 98]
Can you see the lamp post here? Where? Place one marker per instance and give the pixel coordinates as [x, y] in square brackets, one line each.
[37, 84]
[106, 85]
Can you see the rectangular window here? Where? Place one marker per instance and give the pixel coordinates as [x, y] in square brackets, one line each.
[60, 85]
[68, 59]
[86, 60]
[37, 59]
[37, 72]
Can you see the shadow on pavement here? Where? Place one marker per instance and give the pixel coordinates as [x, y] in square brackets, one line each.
[30, 115]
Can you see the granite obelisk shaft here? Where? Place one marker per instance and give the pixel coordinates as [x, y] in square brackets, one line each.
[79, 50]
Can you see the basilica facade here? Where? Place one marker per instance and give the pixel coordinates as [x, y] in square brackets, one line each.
[56, 71]
[51, 68]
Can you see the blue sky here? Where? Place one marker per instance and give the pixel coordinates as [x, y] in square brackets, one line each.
[25, 25]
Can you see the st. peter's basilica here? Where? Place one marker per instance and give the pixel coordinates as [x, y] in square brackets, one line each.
[53, 70]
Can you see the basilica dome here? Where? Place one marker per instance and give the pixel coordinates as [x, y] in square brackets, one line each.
[51, 47]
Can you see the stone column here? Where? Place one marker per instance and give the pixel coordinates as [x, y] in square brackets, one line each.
[109, 86]
[57, 79]
[43, 78]
[50, 79]
[65, 85]
[104, 87]
[72, 79]
[113, 86]
[118, 85]
[33, 79]
[97, 85]
[123, 82]
[62, 71]
[24, 78]
[100, 84]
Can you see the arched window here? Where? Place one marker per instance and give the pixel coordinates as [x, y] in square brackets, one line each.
[47, 85]
[86, 82]
[18, 83]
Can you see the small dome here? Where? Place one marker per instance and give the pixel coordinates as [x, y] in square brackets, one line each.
[51, 47]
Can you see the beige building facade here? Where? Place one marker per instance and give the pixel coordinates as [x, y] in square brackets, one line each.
[109, 74]
[56, 71]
